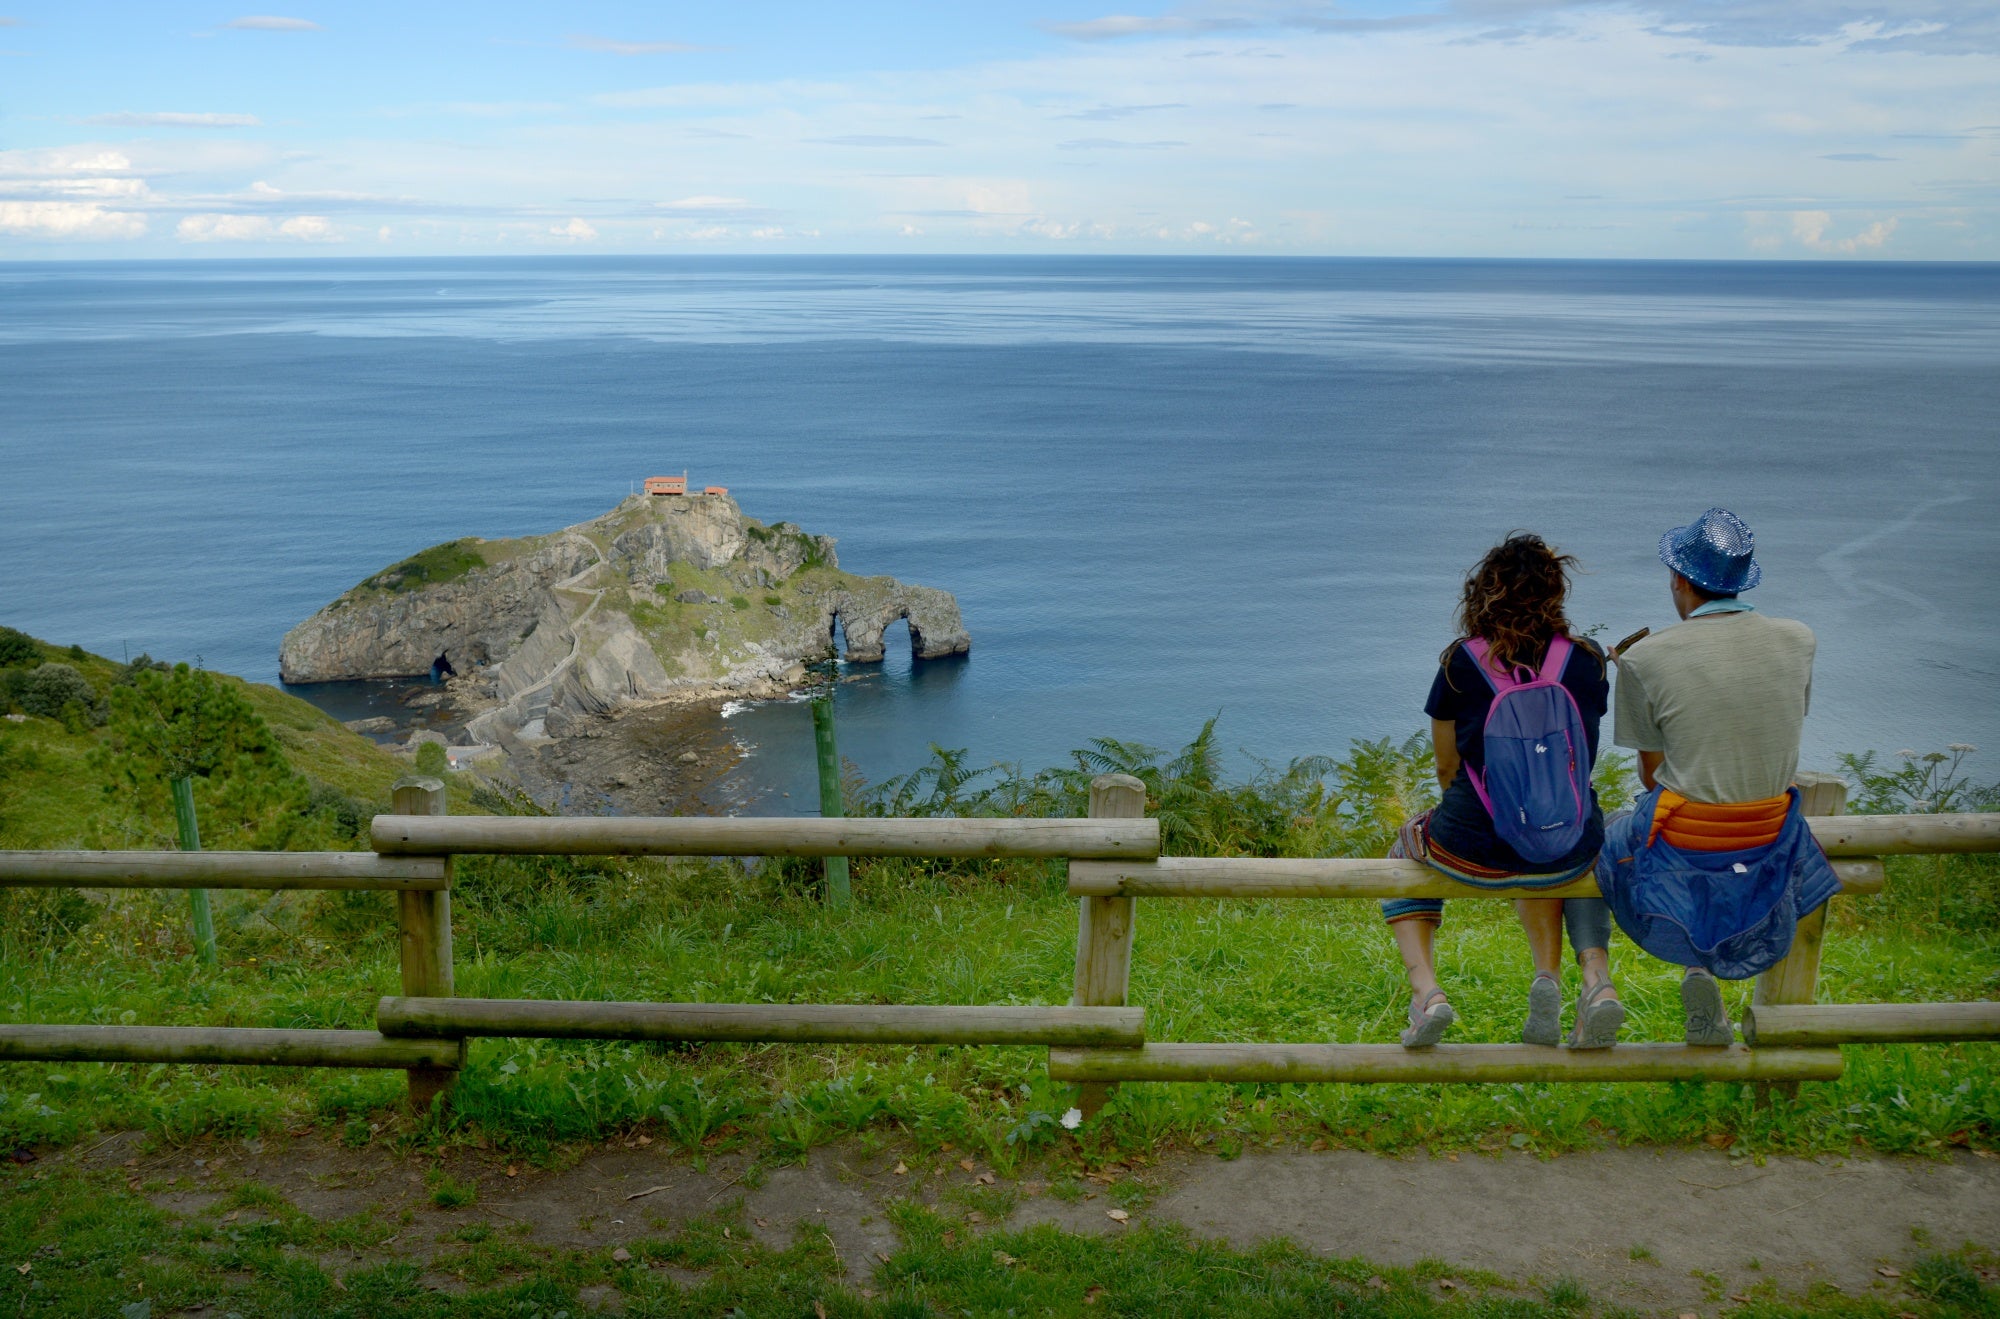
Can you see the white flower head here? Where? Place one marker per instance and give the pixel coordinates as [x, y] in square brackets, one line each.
[1963, 748]
[1907, 754]
[1072, 1119]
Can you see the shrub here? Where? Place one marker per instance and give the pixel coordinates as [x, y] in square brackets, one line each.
[431, 758]
[345, 817]
[17, 648]
[191, 724]
[431, 567]
[739, 602]
[51, 691]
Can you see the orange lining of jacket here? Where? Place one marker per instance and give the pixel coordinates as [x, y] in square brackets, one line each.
[1699, 826]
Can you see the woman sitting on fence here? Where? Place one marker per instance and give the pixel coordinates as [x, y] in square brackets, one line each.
[1514, 712]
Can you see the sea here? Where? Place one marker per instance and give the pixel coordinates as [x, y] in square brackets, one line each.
[1163, 490]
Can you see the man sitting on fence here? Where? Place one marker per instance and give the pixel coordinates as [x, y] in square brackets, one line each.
[1714, 864]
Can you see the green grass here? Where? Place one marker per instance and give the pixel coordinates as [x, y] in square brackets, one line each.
[919, 932]
[594, 929]
[84, 1245]
[431, 567]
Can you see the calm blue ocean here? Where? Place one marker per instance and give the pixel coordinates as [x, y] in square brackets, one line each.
[1161, 489]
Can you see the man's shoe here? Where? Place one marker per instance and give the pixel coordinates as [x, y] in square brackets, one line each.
[1707, 1020]
[1545, 1010]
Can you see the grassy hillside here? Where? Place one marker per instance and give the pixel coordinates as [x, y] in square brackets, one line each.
[945, 932]
[59, 785]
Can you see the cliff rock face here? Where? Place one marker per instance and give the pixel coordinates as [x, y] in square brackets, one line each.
[663, 596]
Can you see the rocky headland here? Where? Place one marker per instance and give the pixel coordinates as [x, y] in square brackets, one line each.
[664, 600]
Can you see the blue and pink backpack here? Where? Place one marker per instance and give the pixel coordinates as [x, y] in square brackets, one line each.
[1537, 780]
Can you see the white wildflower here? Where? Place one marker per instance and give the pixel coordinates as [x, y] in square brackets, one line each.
[1072, 1119]
[1963, 748]
[1907, 754]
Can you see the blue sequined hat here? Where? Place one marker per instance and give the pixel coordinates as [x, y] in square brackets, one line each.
[1714, 552]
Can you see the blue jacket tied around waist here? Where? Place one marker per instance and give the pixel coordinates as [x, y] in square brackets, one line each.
[1733, 913]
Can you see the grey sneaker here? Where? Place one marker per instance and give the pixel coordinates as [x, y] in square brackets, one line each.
[1545, 1010]
[1707, 1020]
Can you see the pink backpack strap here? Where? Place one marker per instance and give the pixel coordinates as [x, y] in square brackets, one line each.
[1481, 653]
[1556, 659]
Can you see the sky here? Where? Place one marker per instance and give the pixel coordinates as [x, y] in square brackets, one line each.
[1711, 129]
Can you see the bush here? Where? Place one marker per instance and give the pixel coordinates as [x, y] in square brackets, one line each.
[17, 648]
[431, 758]
[346, 817]
[53, 689]
[739, 602]
[432, 567]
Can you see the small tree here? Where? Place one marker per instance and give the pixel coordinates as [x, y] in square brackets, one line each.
[173, 732]
[431, 758]
[58, 691]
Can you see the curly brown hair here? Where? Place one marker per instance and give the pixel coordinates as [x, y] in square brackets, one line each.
[1514, 599]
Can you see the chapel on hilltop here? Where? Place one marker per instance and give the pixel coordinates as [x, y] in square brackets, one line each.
[678, 485]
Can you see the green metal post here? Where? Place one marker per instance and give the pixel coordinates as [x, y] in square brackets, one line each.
[204, 920]
[837, 892]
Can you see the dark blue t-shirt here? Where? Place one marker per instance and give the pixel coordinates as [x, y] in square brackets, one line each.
[1461, 694]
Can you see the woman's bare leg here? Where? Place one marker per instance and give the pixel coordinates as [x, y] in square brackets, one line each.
[1415, 940]
[1542, 918]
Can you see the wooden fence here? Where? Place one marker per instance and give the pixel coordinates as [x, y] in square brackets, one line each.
[1097, 1039]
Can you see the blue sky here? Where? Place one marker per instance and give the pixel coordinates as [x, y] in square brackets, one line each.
[1679, 128]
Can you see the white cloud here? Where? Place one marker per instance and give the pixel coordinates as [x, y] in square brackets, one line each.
[606, 46]
[1114, 26]
[875, 140]
[97, 187]
[576, 231]
[174, 119]
[68, 220]
[222, 228]
[309, 229]
[705, 203]
[56, 161]
[1810, 228]
[272, 23]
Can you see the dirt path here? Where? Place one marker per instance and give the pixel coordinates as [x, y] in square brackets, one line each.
[1674, 1230]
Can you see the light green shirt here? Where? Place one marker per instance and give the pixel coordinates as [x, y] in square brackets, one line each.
[1724, 698]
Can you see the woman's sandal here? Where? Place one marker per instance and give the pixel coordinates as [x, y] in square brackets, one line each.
[1429, 1023]
[1597, 1018]
[1545, 1010]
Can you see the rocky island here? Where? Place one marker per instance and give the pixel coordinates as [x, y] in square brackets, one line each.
[675, 599]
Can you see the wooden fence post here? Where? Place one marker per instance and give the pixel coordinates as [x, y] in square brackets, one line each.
[1796, 978]
[424, 919]
[1104, 925]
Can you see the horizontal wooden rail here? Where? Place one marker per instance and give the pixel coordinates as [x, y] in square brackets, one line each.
[1361, 1063]
[1906, 835]
[260, 870]
[788, 1023]
[438, 835]
[1334, 877]
[1821, 1024]
[221, 1044]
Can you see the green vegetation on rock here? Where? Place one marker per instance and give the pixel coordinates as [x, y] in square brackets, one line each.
[432, 567]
